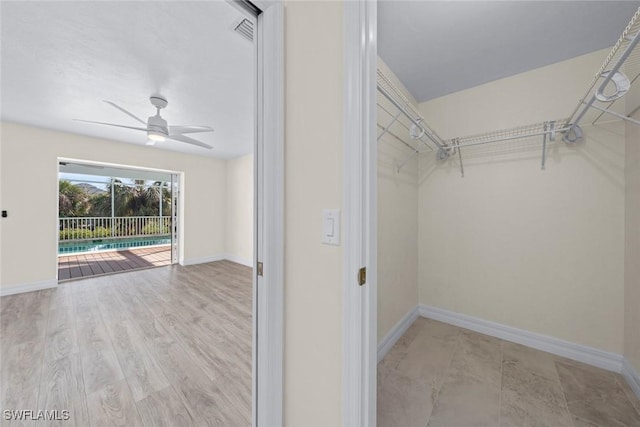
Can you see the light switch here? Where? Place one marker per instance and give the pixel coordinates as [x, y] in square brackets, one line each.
[328, 227]
[331, 227]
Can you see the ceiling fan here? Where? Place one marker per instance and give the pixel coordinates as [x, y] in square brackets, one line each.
[157, 128]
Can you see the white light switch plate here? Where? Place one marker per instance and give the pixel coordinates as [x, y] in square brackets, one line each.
[331, 227]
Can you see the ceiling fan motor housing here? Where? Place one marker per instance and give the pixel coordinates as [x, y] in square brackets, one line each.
[157, 124]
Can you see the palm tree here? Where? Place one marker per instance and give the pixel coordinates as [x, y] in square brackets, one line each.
[132, 200]
[100, 204]
[73, 201]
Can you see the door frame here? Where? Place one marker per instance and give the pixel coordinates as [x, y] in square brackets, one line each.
[177, 235]
[268, 301]
[360, 213]
[177, 225]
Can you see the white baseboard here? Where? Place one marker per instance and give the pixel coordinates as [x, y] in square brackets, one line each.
[385, 344]
[632, 376]
[589, 355]
[202, 260]
[28, 287]
[232, 258]
[239, 260]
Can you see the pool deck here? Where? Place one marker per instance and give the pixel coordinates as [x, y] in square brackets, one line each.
[96, 263]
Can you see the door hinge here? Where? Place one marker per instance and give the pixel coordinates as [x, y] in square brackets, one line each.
[259, 268]
[362, 276]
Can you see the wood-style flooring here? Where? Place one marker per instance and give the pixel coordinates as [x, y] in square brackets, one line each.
[169, 346]
[442, 375]
[105, 262]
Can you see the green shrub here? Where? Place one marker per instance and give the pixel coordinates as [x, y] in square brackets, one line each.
[154, 228]
[102, 232]
[75, 233]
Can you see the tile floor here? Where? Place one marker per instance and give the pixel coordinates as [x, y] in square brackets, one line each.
[442, 375]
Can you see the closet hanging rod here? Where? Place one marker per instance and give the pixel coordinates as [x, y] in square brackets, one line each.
[427, 132]
[607, 80]
[602, 113]
[630, 35]
[510, 138]
[400, 101]
[459, 142]
[387, 130]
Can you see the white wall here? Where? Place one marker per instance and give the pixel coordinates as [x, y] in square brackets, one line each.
[632, 233]
[397, 219]
[313, 156]
[537, 250]
[632, 247]
[239, 210]
[29, 188]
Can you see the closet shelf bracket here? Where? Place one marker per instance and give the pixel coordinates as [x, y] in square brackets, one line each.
[544, 147]
[386, 129]
[417, 129]
[406, 160]
[609, 73]
[615, 114]
[457, 145]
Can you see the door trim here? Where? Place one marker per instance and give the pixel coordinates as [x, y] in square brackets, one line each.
[176, 214]
[180, 218]
[360, 193]
[268, 311]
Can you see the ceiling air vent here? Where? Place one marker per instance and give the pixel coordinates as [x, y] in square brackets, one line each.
[245, 29]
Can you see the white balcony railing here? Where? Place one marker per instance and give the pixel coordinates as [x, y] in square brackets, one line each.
[87, 228]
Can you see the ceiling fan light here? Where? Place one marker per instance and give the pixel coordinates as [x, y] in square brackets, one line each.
[156, 136]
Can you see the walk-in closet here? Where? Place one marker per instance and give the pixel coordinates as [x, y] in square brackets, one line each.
[508, 213]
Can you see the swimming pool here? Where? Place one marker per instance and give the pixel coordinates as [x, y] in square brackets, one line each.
[110, 244]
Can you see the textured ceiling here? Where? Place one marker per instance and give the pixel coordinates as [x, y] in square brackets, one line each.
[59, 60]
[441, 47]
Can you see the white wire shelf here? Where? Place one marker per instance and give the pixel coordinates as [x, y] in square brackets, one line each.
[550, 128]
[623, 59]
[405, 108]
[401, 117]
[546, 131]
[620, 70]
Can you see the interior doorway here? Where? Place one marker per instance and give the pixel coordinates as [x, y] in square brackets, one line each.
[216, 77]
[114, 219]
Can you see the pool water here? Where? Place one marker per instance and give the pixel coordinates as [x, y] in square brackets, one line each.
[110, 244]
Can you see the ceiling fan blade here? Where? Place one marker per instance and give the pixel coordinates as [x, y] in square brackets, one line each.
[126, 112]
[180, 130]
[112, 124]
[188, 140]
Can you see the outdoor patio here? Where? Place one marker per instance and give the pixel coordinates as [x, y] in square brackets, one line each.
[106, 262]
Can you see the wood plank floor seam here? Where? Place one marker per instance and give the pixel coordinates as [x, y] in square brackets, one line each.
[46, 325]
[113, 321]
